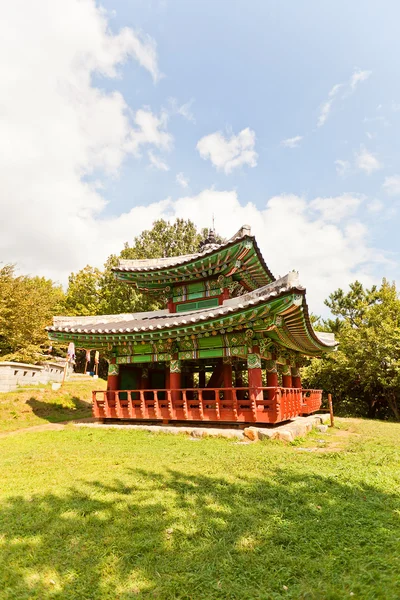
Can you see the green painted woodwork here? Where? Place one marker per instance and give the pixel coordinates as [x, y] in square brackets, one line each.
[175, 366]
[210, 342]
[200, 305]
[113, 369]
[271, 366]
[284, 369]
[211, 353]
[129, 380]
[253, 361]
[198, 290]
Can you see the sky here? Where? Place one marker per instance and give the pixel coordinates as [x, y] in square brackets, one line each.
[281, 115]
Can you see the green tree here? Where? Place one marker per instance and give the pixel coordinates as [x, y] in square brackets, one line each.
[91, 291]
[27, 305]
[164, 239]
[83, 294]
[364, 373]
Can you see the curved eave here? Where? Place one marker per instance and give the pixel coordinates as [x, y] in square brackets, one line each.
[294, 331]
[147, 278]
[298, 324]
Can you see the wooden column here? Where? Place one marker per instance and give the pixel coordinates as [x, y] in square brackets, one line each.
[296, 379]
[144, 379]
[272, 378]
[255, 379]
[286, 376]
[113, 376]
[175, 378]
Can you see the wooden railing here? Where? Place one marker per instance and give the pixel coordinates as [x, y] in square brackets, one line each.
[261, 405]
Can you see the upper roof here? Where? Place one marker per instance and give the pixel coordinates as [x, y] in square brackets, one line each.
[239, 259]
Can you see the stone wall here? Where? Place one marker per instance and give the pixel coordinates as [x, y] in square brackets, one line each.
[13, 374]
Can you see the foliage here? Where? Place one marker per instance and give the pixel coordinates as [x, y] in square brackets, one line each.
[95, 292]
[164, 239]
[83, 295]
[27, 305]
[105, 514]
[364, 373]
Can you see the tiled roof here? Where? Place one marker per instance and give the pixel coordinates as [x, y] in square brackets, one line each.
[154, 264]
[163, 320]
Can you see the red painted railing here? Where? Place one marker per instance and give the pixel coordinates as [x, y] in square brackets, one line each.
[258, 405]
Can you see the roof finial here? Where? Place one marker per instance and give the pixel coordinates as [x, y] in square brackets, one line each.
[213, 222]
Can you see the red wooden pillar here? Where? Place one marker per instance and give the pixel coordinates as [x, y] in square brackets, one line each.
[272, 378]
[286, 377]
[296, 379]
[112, 386]
[113, 376]
[255, 379]
[144, 379]
[175, 379]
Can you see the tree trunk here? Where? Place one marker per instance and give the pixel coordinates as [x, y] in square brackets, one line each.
[391, 398]
[372, 408]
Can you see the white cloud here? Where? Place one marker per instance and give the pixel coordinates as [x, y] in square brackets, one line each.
[391, 185]
[57, 128]
[292, 142]
[342, 167]
[338, 208]
[182, 180]
[227, 154]
[375, 206]
[150, 130]
[328, 245]
[326, 107]
[157, 162]
[357, 77]
[367, 162]
[184, 110]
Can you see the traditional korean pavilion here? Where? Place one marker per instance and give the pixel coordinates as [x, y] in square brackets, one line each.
[226, 348]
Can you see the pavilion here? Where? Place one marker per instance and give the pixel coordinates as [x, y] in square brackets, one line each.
[227, 347]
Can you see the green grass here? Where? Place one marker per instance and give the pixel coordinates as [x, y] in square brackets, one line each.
[35, 406]
[91, 514]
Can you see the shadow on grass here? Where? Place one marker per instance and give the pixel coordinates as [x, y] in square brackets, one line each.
[54, 411]
[175, 535]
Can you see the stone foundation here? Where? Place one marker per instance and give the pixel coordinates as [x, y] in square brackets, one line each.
[286, 432]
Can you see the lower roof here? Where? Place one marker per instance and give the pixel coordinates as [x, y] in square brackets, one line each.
[282, 302]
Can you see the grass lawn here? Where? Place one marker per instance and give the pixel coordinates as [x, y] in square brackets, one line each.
[110, 514]
[35, 406]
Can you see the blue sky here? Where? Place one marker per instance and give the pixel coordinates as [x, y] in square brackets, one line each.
[285, 114]
[268, 66]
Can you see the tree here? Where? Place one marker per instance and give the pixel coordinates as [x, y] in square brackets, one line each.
[91, 291]
[83, 295]
[164, 239]
[364, 373]
[27, 305]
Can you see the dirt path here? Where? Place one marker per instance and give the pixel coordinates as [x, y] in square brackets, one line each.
[44, 427]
